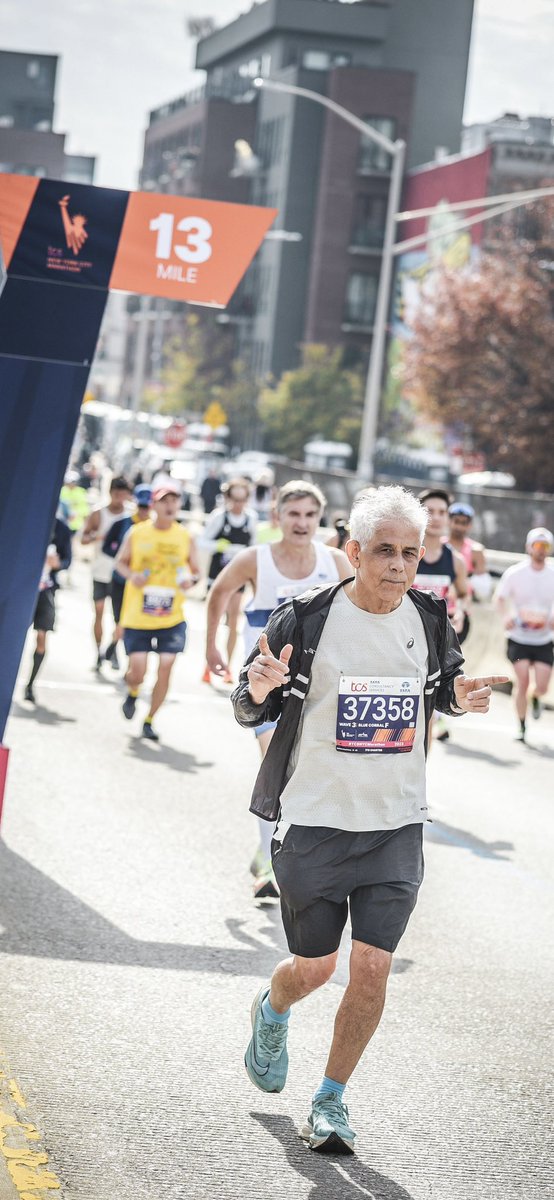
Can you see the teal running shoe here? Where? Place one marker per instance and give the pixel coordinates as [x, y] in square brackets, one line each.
[327, 1128]
[266, 1059]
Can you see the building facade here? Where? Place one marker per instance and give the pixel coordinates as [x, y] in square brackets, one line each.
[28, 144]
[383, 62]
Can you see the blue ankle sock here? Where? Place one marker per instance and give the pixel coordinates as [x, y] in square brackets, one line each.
[327, 1086]
[271, 1017]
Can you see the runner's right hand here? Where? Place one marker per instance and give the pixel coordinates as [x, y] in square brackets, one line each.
[267, 672]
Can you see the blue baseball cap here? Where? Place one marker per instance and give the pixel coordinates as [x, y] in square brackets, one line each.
[143, 496]
[457, 509]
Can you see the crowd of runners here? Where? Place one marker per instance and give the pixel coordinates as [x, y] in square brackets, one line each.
[330, 638]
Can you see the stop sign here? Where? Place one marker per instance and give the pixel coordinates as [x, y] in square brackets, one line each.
[175, 434]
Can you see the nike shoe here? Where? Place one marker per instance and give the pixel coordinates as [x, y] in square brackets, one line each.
[29, 694]
[266, 1059]
[327, 1128]
[128, 707]
[536, 707]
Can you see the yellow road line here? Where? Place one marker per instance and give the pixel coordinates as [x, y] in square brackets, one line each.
[25, 1159]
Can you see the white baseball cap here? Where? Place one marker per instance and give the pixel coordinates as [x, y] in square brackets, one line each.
[540, 534]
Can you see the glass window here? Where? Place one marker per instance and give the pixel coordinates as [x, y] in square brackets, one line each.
[249, 70]
[372, 156]
[361, 295]
[369, 222]
[269, 141]
[33, 69]
[316, 60]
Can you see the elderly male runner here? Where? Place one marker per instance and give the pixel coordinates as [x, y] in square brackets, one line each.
[354, 670]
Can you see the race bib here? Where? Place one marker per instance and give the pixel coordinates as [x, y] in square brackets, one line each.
[377, 716]
[289, 590]
[532, 618]
[157, 601]
[439, 584]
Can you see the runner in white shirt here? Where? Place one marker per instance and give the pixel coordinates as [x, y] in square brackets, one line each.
[525, 598]
[276, 573]
[96, 530]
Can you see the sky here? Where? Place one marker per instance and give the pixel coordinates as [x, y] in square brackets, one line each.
[121, 58]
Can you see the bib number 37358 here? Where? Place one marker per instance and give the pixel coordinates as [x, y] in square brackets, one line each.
[377, 715]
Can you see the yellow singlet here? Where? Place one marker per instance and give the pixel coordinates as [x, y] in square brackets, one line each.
[160, 552]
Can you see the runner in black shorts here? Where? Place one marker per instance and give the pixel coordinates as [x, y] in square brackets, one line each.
[353, 670]
[525, 597]
[143, 499]
[58, 558]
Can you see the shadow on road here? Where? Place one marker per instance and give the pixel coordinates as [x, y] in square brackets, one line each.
[345, 1179]
[274, 930]
[43, 716]
[40, 919]
[447, 835]
[544, 751]
[176, 760]
[457, 751]
[43, 920]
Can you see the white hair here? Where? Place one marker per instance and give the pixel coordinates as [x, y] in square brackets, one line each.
[385, 504]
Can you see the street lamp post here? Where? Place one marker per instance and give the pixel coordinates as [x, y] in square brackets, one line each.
[397, 151]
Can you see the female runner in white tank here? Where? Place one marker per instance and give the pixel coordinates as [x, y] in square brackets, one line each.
[276, 572]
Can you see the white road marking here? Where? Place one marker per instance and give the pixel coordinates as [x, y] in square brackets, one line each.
[352, 1182]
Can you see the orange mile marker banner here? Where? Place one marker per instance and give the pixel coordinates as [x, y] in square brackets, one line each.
[186, 249]
[172, 246]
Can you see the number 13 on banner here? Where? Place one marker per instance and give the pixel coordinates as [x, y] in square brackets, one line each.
[198, 248]
[185, 248]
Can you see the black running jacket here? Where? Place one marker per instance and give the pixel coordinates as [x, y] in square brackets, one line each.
[300, 621]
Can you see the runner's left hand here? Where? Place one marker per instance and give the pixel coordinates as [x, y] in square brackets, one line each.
[473, 695]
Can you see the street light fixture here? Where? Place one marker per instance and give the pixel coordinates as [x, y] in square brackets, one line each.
[397, 151]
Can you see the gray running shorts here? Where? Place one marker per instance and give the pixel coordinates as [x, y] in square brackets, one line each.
[323, 872]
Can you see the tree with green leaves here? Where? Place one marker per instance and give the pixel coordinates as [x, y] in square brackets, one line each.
[318, 399]
[197, 364]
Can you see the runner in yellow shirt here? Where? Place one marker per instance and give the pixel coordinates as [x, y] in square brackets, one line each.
[158, 560]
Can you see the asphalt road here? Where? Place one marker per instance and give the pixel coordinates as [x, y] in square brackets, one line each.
[131, 948]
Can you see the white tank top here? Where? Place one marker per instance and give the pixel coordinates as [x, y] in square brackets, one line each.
[102, 564]
[273, 588]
